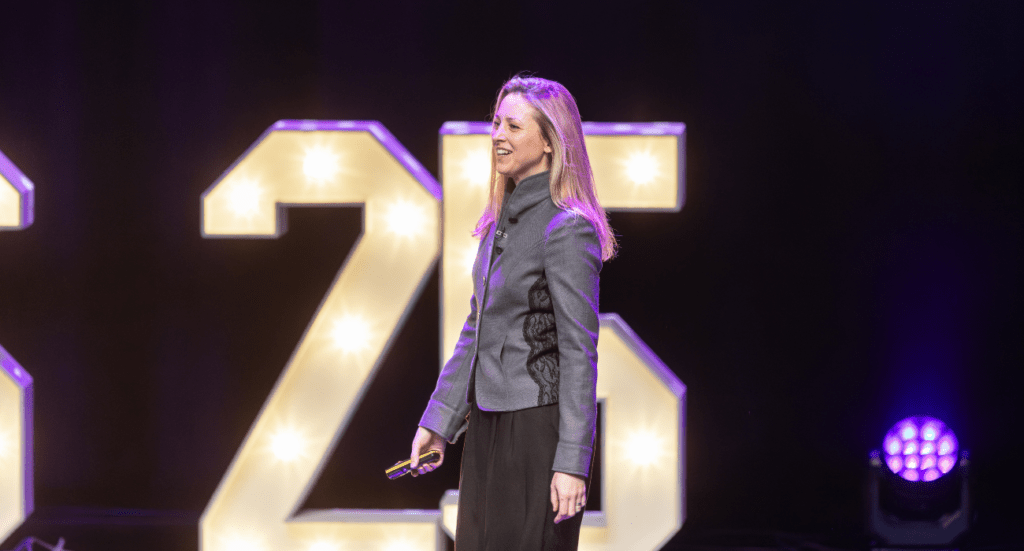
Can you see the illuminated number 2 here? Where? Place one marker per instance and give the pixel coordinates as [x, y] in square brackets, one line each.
[636, 167]
[16, 195]
[324, 163]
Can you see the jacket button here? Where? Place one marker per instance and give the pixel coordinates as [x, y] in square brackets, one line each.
[497, 250]
[513, 220]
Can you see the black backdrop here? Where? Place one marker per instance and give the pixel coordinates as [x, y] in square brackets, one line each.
[849, 252]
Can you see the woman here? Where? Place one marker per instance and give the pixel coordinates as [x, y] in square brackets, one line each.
[525, 366]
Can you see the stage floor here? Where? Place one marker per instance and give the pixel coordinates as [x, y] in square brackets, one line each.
[105, 529]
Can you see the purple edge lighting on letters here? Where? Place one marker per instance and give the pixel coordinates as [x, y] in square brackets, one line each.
[25, 188]
[24, 382]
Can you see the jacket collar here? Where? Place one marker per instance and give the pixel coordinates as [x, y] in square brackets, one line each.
[528, 193]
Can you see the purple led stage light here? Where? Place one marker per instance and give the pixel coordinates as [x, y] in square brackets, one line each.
[920, 449]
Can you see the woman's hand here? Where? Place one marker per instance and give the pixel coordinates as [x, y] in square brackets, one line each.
[424, 441]
[568, 495]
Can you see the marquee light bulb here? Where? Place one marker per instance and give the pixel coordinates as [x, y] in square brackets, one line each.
[243, 543]
[642, 168]
[405, 219]
[324, 546]
[476, 166]
[244, 198]
[469, 258]
[6, 445]
[351, 334]
[644, 448]
[287, 445]
[9, 203]
[401, 545]
[320, 165]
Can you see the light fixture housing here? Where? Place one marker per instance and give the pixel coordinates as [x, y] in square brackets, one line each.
[918, 488]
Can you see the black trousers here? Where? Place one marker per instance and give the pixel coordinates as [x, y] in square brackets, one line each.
[505, 489]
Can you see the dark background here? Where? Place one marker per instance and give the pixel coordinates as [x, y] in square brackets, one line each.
[849, 252]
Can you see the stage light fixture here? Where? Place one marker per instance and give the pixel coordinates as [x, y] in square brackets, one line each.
[918, 487]
[920, 448]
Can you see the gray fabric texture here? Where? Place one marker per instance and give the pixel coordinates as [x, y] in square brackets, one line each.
[531, 334]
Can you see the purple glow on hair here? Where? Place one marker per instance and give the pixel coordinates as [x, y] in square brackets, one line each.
[920, 449]
[589, 128]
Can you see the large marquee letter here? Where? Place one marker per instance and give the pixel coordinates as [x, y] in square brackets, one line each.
[17, 197]
[324, 163]
[637, 167]
[16, 497]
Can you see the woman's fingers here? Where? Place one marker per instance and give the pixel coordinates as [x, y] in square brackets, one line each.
[418, 443]
[567, 491]
[423, 442]
[563, 510]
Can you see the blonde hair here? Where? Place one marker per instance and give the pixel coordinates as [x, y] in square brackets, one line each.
[572, 180]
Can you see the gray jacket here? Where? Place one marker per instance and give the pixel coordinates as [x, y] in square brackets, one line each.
[531, 334]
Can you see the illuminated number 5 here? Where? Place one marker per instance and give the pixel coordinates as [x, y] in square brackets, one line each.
[324, 163]
[637, 167]
[16, 202]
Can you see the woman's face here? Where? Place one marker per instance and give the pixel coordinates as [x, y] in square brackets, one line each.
[520, 149]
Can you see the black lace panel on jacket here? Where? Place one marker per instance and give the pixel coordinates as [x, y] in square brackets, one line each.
[539, 332]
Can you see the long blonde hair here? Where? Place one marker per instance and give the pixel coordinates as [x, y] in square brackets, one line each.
[572, 180]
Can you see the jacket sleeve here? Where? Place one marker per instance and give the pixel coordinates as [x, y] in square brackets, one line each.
[447, 409]
[572, 264]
